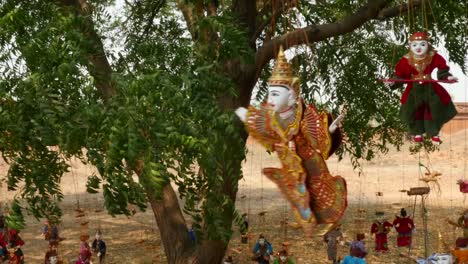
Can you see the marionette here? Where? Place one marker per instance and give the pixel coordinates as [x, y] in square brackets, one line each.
[228, 260]
[15, 256]
[331, 238]
[283, 258]
[303, 139]
[51, 256]
[99, 247]
[50, 231]
[15, 241]
[404, 225]
[357, 248]
[84, 257]
[463, 186]
[436, 258]
[381, 229]
[425, 104]
[262, 251]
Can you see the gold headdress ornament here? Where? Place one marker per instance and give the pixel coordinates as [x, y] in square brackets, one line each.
[282, 74]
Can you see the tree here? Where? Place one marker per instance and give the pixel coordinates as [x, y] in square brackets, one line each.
[148, 100]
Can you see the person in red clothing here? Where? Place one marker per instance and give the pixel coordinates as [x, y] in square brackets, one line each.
[381, 229]
[404, 225]
[425, 105]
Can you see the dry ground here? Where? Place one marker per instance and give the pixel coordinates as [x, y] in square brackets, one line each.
[136, 239]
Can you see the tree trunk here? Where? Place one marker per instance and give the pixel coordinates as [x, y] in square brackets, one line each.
[172, 227]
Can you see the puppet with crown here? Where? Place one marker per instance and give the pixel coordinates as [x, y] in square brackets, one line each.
[303, 139]
[425, 104]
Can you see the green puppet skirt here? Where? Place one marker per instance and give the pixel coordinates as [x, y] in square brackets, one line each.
[423, 111]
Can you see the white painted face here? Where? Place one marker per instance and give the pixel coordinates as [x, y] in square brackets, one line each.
[283, 258]
[53, 260]
[444, 259]
[419, 47]
[280, 98]
[261, 241]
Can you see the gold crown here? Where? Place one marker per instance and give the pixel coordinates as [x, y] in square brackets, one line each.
[282, 74]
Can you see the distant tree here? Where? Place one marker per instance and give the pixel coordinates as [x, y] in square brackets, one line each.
[148, 99]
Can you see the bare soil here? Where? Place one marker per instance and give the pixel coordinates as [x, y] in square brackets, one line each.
[136, 239]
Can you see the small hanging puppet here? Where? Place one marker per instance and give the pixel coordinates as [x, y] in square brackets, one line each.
[51, 256]
[84, 257]
[50, 231]
[262, 251]
[463, 186]
[462, 222]
[357, 249]
[303, 138]
[425, 104]
[404, 225]
[381, 228]
[283, 258]
[16, 242]
[14, 256]
[331, 238]
[99, 247]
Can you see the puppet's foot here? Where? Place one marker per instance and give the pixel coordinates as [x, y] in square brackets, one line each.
[436, 139]
[418, 138]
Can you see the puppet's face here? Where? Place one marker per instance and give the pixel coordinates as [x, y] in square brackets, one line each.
[53, 260]
[444, 259]
[283, 258]
[280, 98]
[419, 47]
[261, 241]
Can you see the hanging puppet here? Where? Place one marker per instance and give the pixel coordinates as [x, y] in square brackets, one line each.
[381, 229]
[332, 238]
[462, 222]
[303, 138]
[51, 256]
[99, 247]
[425, 104]
[262, 251]
[84, 257]
[404, 225]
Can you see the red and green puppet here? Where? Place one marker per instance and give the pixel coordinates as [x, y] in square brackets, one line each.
[425, 104]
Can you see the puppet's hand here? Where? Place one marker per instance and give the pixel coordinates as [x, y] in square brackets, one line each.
[241, 112]
[452, 78]
[336, 123]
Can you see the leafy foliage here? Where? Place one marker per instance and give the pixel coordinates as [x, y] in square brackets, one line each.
[171, 119]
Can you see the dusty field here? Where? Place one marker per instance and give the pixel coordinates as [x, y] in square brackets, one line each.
[136, 239]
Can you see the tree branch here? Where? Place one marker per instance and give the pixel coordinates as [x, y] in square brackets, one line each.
[189, 16]
[247, 12]
[99, 67]
[272, 11]
[398, 10]
[374, 9]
